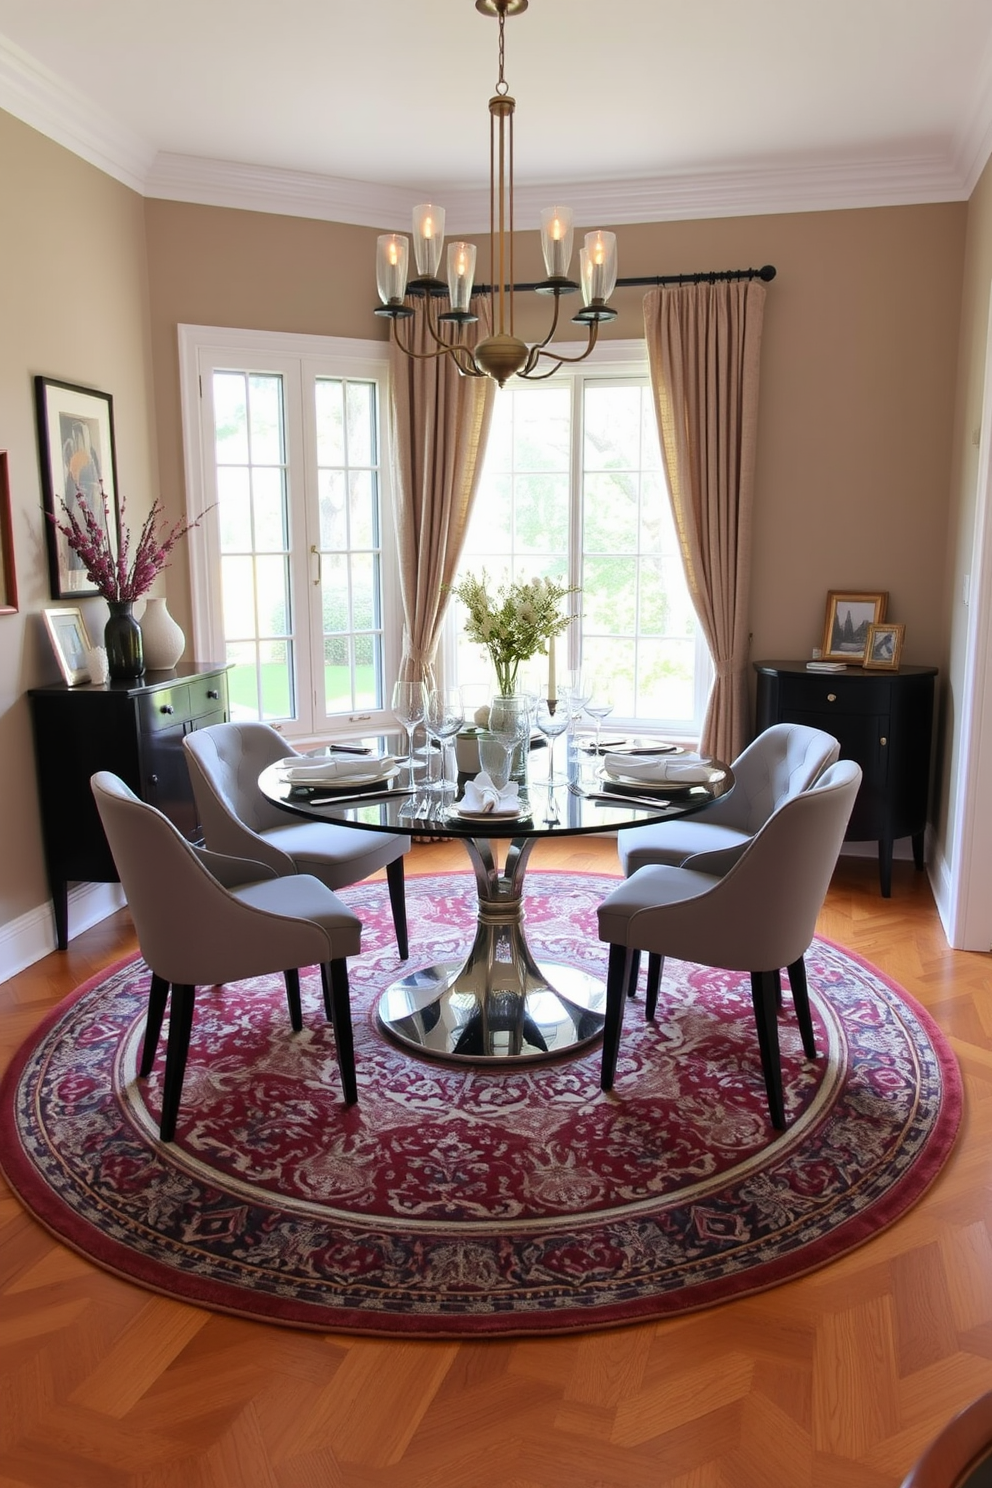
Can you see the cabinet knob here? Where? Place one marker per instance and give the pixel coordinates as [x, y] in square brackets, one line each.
[212, 693]
[167, 708]
[831, 697]
[883, 741]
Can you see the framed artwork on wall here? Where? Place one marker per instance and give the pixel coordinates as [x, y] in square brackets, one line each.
[884, 647]
[70, 642]
[76, 444]
[8, 576]
[849, 618]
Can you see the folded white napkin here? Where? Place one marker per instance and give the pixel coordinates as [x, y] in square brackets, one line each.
[656, 769]
[481, 798]
[352, 770]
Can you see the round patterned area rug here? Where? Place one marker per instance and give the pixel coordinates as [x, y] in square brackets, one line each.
[470, 1201]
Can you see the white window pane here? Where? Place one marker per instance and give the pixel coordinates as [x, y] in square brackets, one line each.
[610, 513]
[366, 688]
[230, 418]
[541, 429]
[609, 595]
[665, 678]
[364, 592]
[272, 579]
[234, 502]
[362, 510]
[541, 514]
[276, 675]
[268, 485]
[491, 522]
[329, 402]
[338, 697]
[238, 585]
[242, 681]
[266, 420]
[613, 428]
[335, 596]
[333, 511]
[360, 405]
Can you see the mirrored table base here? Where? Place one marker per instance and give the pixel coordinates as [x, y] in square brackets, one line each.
[498, 1006]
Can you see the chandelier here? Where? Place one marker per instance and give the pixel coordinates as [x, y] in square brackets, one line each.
[501, 354]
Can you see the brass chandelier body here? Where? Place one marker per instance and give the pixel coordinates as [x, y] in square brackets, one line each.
[502, 354]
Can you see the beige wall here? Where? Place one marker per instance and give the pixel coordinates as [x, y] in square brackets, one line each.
[977, 277]
[857, 412]
[73, 305]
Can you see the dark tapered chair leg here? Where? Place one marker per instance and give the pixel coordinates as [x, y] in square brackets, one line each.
[158, 996]
[293, 998]
[343, 1040]
[180, 1027]
[656, 965]
[617, 982]
[633, 972]
[763, 996]
[800, 997]
[397, 900]
[325, 984]
[778, 988]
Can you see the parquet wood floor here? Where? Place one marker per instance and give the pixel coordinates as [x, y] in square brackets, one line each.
[836, 1380]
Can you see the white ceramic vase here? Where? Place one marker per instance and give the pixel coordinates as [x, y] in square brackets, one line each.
[163, 640]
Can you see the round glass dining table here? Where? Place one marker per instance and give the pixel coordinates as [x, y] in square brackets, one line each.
[499, 1005]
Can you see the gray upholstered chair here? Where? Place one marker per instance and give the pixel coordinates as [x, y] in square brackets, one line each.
[779, 763]
[757, 917]
[204, 918]
[225, 762]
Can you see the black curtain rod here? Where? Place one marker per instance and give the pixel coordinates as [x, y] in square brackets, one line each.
[767, 273]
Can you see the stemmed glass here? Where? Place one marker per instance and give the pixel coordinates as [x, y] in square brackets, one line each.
[409, 704]
[599, 706]
[552, 719]
[443, 717]
[509, 724]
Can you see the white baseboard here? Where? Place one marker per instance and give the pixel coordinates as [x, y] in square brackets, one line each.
[26, 940]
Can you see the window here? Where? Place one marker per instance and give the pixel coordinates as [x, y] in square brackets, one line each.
[289, 569]
[573, 487]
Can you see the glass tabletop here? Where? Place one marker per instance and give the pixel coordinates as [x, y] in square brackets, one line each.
[583, 798]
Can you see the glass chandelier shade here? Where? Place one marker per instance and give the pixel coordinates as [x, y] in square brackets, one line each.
[502, 354]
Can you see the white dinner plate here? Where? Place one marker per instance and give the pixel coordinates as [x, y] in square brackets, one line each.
[345, 784]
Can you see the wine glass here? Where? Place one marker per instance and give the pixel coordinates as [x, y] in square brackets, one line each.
[509, 725]
[552, 719]
[599, 706]
[444, 715]
[409, 703]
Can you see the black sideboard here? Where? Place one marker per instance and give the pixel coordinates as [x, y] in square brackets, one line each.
[884, 721]
[134, 729]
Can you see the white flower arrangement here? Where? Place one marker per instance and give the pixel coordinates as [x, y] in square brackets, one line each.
[518, 623]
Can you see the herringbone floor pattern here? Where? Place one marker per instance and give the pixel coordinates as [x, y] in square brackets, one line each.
[836, 1380]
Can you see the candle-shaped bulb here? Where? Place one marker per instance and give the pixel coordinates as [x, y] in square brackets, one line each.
[556, 240]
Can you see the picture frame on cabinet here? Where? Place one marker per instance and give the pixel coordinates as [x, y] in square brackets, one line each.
[884, 647]
[8, 573]
[70, 642]
[849, 617]
[78, 455]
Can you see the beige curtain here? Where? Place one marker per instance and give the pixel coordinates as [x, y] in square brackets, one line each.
[704, 345]
[440, 424]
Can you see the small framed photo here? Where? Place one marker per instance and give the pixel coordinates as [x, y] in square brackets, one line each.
[884, 647]
[76, 444]
[70, 642]
[8, 577]
[849, 618]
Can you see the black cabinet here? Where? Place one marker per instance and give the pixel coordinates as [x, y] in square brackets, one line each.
[884, 720]
[134, 729]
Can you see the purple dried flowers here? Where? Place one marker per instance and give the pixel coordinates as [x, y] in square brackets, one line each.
[120, 577]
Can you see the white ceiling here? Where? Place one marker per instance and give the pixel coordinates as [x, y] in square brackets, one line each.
[639, 110]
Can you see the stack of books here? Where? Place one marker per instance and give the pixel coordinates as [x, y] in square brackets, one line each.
[826, 666]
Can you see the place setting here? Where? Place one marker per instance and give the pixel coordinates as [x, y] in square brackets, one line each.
[341, 776]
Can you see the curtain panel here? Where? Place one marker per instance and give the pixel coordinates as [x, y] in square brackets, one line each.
[440, 424]
[704, 346]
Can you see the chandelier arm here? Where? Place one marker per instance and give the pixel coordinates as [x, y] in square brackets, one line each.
[539, 346]
[443, 348]
[537, 352]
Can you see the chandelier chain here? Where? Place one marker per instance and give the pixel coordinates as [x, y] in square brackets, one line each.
[502, 86]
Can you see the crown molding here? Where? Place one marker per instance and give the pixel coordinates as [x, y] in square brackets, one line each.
[756, 188]
[44, 101]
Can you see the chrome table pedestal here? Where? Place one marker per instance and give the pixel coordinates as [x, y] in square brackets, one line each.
[499, 1006]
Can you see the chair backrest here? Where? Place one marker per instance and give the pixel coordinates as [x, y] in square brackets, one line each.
[190, 928]
[762, 914]
[224, 763]
[782, 761]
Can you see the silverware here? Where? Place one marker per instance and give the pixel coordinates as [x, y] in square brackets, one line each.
[618, 800]
[385, 795]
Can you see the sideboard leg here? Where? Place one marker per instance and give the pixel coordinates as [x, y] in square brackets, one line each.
[60, 909]
[885, 866]
[918, 857]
